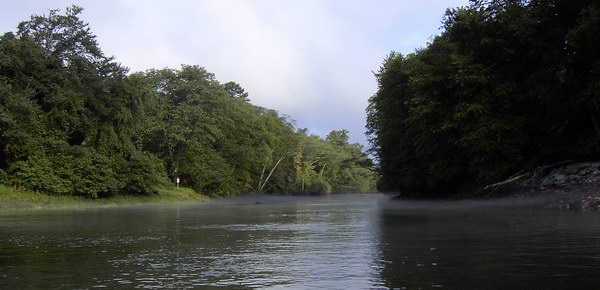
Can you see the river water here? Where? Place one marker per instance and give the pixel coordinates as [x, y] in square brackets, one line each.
[330, 242]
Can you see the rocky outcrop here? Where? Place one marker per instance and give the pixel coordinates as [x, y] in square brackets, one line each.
[574, 185]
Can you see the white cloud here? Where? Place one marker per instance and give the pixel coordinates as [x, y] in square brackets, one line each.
[311, 59]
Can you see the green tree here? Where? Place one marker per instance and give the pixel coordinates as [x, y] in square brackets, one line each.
[236, 91]
[70, 113]
[495, 93]
[74, 121]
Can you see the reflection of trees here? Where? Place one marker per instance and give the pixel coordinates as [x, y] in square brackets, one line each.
[483, 249]
[408, 260]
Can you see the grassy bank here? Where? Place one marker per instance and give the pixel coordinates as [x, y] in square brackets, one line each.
[15, 199]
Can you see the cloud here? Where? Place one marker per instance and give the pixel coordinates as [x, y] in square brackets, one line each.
[311, 59]
[267, 50]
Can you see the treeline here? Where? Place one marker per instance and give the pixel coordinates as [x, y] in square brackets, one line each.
[73, 121]
[507, 86]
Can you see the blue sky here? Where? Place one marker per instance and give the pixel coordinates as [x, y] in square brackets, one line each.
[310, 59]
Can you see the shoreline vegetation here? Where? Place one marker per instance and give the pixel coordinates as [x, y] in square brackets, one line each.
[566, 185]
[506, 87]
[74, 122]
[468, 110]
[12, 199]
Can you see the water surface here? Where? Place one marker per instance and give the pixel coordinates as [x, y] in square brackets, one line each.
[331, 242]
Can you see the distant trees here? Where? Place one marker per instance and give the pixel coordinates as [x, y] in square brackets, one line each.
[507, 86]
[332, 165]
[73, 121]
[211, 138]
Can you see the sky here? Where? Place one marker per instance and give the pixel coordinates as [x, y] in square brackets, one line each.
[312, 60]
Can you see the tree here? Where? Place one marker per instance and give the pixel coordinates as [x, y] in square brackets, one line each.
[70, 113]
[495, 93]
[236, 91]
[338, 138]
[74, 121]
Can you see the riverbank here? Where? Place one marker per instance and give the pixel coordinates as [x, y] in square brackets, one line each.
[565, 185]
[15, 199]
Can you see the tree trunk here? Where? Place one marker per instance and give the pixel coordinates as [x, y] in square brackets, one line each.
[271, 172]
[262, 174]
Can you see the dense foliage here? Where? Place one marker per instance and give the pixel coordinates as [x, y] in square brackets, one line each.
[507, 86]
[73, 121]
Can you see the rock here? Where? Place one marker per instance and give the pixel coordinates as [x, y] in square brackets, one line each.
[554, 180]
[591, 203]
[578, 184]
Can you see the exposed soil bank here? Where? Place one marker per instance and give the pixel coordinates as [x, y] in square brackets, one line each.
[564, 185]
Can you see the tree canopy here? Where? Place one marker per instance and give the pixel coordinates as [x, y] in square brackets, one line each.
[507, 86]
[74, 121]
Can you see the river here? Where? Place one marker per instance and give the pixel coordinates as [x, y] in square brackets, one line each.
[329, 242]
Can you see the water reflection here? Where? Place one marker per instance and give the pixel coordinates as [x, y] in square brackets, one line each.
[328, 242]
[335, 242]
[490, 248]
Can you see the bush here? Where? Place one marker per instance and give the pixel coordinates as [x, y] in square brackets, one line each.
[142, 173]
[85, 172]
[38, 174]
[3, 177]
[320, 186]
[92, 173]
[207, 172]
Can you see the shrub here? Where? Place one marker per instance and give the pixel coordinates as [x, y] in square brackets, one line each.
[142, 173]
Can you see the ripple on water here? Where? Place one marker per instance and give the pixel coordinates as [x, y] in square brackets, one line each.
[316, 245]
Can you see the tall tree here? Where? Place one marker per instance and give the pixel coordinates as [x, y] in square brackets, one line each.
[74, 121]
[78, 109]
[495, 93]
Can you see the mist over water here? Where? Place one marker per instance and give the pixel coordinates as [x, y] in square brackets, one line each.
[514, 200]
[329, 242]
